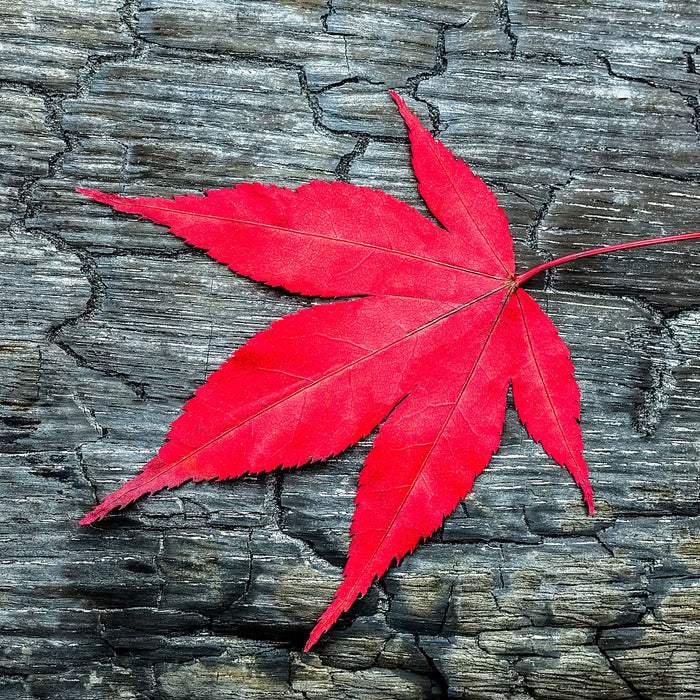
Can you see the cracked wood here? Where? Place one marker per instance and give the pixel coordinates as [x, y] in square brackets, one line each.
[587, 129]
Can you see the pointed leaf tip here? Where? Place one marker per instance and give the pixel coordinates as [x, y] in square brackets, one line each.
[313, 638]
[103, 197]
[408, 116]
[97, 513]
[397, 98]
[92, 194]
[588, 497]
[89, 518]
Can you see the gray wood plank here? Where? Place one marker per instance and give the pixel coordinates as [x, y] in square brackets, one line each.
[583, 119]
[49, 43]
[656, 42]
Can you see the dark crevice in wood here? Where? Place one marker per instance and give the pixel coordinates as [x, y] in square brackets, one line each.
[503, 14]
[533, 229]
[635, 694]
[438, 68]
[342, 170]
[435, 675]
[690, 100]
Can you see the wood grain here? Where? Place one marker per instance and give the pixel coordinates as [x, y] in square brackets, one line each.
[582, 116]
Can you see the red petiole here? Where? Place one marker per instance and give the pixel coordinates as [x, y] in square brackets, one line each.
[519, 279]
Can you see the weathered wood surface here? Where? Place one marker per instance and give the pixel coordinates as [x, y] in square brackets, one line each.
[583, 116]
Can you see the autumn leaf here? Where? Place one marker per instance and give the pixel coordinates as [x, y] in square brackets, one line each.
[441, 331]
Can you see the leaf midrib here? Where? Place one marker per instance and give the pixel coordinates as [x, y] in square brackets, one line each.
[419, 470]
[339, 370]
[321, 236]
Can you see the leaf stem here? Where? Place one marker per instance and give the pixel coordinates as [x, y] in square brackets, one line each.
[606, 249]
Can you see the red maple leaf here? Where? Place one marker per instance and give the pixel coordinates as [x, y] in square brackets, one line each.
[442, 330]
